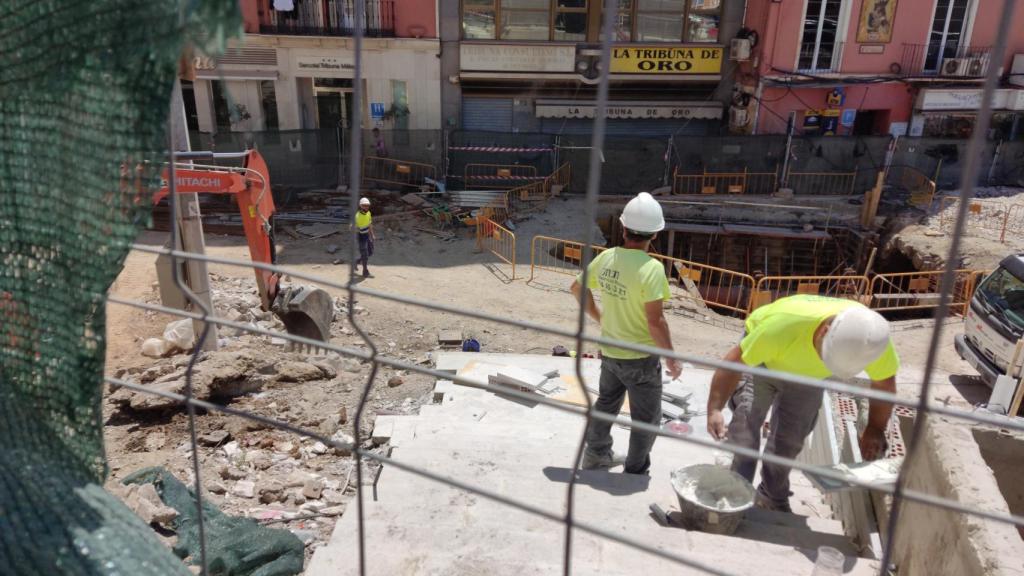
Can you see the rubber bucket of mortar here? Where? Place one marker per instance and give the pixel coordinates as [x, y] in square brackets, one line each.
[712, 498]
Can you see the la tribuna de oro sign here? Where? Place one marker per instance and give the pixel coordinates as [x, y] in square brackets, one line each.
[666, 60]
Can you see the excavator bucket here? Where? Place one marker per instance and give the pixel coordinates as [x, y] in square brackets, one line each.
[305, 311]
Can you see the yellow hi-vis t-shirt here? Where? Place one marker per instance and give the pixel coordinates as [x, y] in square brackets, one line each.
[363, 221]
[780, 336]
[627, 279]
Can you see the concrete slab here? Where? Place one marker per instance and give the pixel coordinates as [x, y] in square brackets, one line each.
[525, 453]
[383, 429]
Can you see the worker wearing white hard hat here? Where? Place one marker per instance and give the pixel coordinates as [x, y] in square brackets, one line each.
[806, 335]
[632, 286]
[364, 226]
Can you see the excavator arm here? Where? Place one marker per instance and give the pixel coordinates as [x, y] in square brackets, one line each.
[305, 311]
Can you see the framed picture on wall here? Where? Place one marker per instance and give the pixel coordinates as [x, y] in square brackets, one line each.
[876, 21]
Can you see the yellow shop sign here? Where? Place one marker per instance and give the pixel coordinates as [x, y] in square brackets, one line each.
[666, 60]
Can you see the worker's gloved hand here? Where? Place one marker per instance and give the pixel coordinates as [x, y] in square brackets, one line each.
[873, 444]
[675, 367]
[716, 425]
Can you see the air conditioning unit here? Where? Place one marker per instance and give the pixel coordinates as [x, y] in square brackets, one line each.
[977, 67]
[958, 66]
[1017, 70]
[737, 117]
[739, 49]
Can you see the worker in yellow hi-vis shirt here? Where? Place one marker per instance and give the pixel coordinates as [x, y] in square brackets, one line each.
[811, 336]
[632, 287]
[364, 225]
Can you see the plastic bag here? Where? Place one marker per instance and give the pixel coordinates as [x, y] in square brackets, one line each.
[180, 334]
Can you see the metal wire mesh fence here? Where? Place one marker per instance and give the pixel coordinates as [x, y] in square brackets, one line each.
[583, 253]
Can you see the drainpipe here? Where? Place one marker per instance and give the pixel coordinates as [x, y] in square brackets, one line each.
[757, 109]
[789, 146]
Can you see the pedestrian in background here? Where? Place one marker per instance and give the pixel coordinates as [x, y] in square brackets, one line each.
[633, 288]
[380, 148]
[364, 226]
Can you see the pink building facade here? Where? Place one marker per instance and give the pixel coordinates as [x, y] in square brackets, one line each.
[874, 67]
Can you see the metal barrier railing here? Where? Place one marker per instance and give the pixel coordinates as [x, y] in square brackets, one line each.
[528, 197]
[556, 255]
[498, 240]
[984, 218]
[921, 187]
[560, 177]
[1014, 222]
[821, 182]
[725, 183]
[920, 290]
[392, 171]
[710, 286]
[499, 175]
[771, 288]
[734, 292]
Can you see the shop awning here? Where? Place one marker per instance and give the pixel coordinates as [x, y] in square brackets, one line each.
[236, 74]
[700, 110]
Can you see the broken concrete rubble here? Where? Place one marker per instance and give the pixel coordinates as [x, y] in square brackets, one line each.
[271, 491]
[146, 503]
[215, 438]
[225, 373]
[299, 372]
[244, 488]
[313, 488]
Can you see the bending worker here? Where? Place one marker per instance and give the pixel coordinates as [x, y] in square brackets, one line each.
[811, 336]
[364, 225]
[633, 287]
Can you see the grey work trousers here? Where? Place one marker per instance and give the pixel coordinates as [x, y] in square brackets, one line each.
[641, 380]
[794, 413]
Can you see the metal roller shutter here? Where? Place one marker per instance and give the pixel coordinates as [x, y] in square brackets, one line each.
[487, 114]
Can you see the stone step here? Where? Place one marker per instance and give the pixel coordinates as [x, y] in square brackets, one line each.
[475, 539]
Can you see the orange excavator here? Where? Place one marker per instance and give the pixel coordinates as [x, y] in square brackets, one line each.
[304, 310]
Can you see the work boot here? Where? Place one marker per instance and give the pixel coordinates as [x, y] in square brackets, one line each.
[762, 501]
[610, 459]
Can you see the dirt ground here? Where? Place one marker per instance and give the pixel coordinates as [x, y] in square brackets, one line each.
[296, 477]
[927, 242]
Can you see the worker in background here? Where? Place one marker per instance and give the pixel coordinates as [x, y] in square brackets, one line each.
[632, 286]
[811, 336]
[364, 226]
[380, 148]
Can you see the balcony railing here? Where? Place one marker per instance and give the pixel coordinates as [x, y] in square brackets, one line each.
[947, 61]
[328, 18]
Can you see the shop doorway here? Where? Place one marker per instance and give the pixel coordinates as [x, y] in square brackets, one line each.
[871, 123]
[333, 102]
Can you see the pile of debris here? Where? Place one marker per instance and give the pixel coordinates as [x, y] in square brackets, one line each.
[232, 371]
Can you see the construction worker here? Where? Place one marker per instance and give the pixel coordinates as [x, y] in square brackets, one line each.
[811, 336]
[364, 225]
[632, 286]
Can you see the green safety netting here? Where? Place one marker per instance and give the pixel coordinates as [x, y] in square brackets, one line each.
[84, 94]
[234, 545]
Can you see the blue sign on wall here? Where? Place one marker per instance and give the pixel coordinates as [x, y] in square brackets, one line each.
[849, 116]
[377, 110]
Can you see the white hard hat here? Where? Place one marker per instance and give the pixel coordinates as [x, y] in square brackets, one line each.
[364, 201]
[643, 214]
[856, 338]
